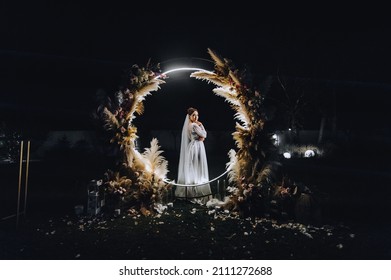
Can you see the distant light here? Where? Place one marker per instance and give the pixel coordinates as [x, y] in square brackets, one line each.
[289, 129]
[275, 137]
[309, 153]
[182, 69]
[287, 155]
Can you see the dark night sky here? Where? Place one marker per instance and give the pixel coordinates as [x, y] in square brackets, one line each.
[54, 58]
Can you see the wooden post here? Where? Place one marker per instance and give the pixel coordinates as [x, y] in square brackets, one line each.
[218, 190]
[27, 177]
[20, 183]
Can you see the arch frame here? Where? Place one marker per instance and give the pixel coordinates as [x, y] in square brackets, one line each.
[248, 168]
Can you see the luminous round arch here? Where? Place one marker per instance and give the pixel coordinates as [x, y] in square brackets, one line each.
[179, 69]
[249, 167]
[182, 69]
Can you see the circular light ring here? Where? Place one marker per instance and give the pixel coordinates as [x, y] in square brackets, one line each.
[182, 69]
[189, 69]
[196, 185]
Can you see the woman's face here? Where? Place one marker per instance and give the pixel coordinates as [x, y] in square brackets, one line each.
[194, 116]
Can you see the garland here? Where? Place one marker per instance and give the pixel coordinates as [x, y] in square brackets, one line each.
[138, 184]
[140, 181]
[251, 167]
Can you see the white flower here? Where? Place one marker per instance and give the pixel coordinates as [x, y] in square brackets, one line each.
[160, 208]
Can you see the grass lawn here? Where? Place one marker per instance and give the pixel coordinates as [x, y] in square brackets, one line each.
[184, 231]
[356, 224]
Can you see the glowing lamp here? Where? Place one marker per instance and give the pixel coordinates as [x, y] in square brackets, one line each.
[287, 155]
[309, 153]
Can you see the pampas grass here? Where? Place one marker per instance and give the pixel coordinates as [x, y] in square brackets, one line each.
[209, 77]
[248, 167]
[110, 120]
[155, 163]
[140, 177]
[229, 94]
[139, 96]
[216, 58]
[233, 167]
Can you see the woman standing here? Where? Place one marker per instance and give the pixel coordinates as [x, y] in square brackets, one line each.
[193, 165]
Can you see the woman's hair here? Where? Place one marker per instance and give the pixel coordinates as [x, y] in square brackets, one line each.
[191, 110]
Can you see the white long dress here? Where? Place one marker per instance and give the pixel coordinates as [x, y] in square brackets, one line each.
[193, 165]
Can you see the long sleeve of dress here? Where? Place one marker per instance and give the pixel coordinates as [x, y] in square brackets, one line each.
[199, 130]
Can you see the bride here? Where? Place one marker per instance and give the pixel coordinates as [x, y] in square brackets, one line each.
[193, 165]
